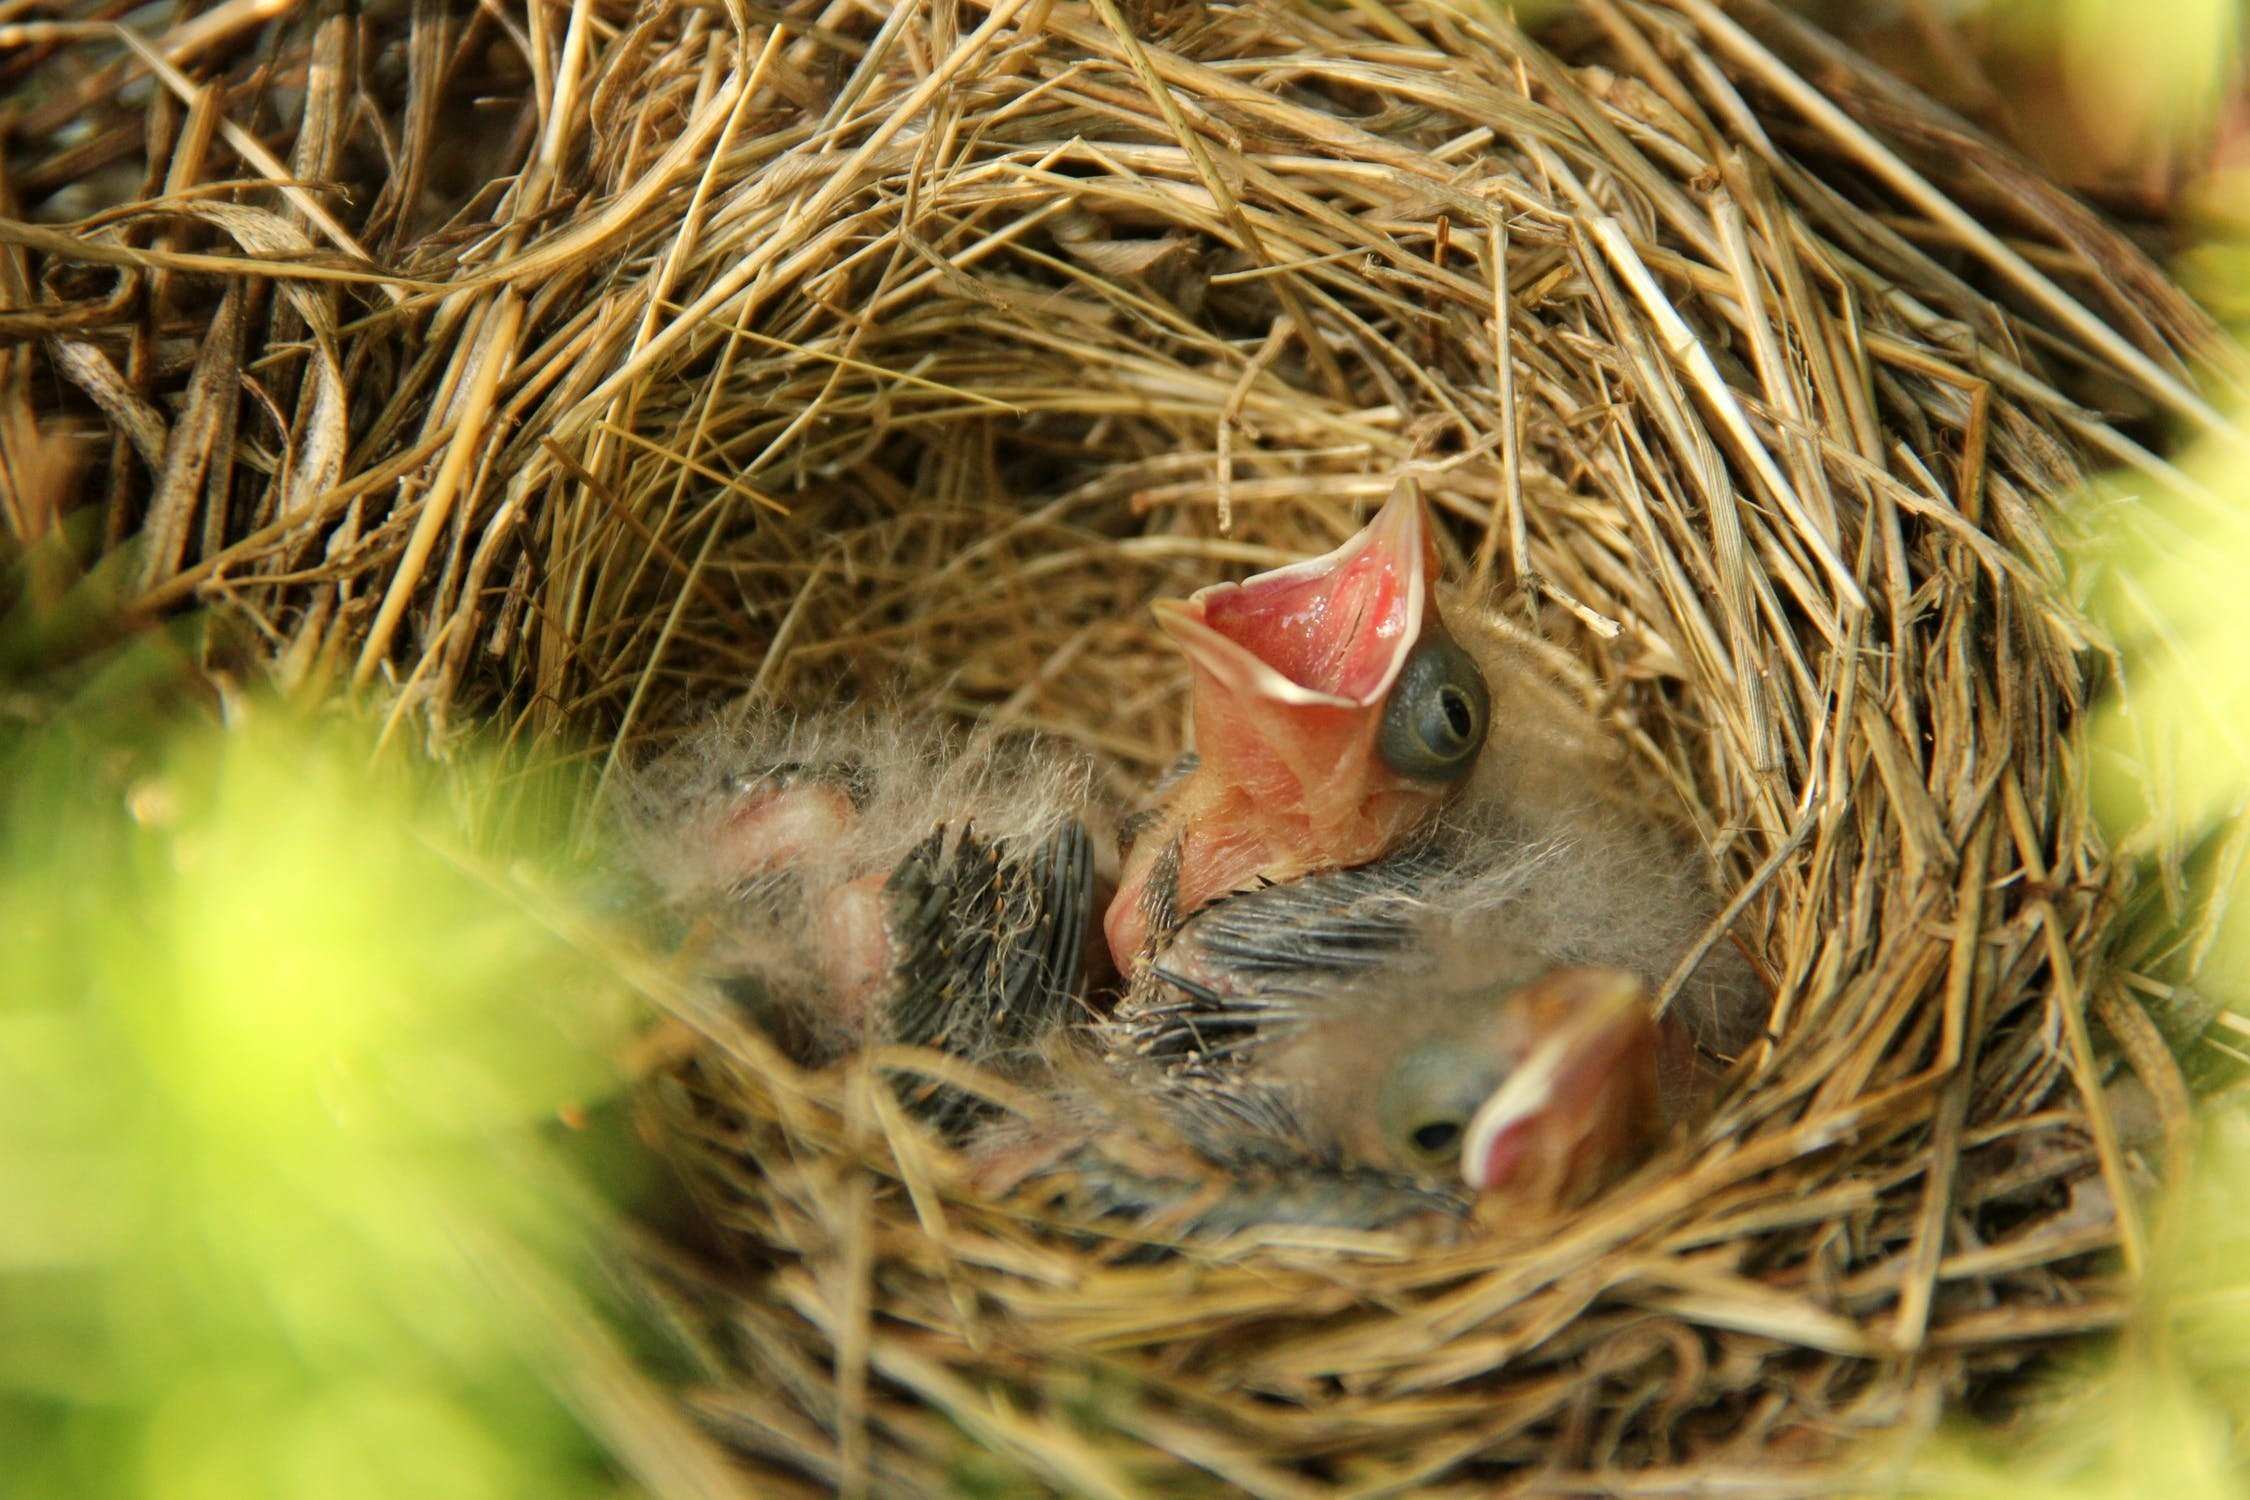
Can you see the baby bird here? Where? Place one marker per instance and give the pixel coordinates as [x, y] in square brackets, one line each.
[1477, 1006]
[1406, 1096]
[1333, 712]
[1339, 705]
[1443, 958]
[1389, 945]
[856, 877]
[1466, 1026]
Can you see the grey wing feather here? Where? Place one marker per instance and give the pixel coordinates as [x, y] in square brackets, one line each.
[1323, 927]
[1259, 957]
[988, 945]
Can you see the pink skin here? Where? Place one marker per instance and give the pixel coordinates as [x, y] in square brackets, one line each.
[855, 948]
[773, 827]
[1292, 671]
[1599, 1090]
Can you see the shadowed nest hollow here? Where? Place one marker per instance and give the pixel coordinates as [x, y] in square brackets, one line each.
[576, 367]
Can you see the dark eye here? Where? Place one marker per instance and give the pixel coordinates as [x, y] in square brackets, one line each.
[1439, 708]
[1426, 1100]
[1436, 1140]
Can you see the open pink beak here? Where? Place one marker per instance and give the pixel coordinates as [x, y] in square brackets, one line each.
[1293, 670]
[1329, 632]
[1581, 1103]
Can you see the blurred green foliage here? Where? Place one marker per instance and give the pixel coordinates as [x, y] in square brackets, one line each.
[2152, 74]
[2171, 769]
[282, 1209]
[2164, 1408]
[284, 1036]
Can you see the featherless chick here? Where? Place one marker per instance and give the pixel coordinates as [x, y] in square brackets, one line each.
[855, 878]
[1358, 1108]
[1388, 941]
[1466, 1026]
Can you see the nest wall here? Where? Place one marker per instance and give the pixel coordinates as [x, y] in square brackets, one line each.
[577, 367]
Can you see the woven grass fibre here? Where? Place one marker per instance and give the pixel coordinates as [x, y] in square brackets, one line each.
[572, 368]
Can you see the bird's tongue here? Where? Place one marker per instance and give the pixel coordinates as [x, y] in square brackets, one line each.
[1331, 631]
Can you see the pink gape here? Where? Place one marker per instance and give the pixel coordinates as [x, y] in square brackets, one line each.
[1292, 672]
[1583, 1099]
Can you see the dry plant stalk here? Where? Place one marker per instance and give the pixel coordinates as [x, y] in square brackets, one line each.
[578, 364]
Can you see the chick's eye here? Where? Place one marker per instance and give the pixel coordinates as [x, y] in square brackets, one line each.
[1436, 1141]
[1438, 712]
[1426, 1100]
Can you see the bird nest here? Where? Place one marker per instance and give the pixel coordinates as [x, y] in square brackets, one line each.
[574, 368]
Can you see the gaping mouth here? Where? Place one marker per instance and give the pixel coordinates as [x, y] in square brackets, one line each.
[1579, 1083]
[1333, 630]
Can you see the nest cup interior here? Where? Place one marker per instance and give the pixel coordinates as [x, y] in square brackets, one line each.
[1787, 527]
[916, 352]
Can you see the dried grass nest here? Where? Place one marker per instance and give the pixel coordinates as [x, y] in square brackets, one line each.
[574, 366]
